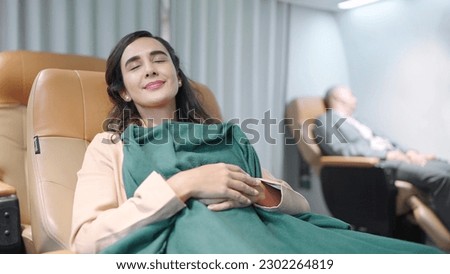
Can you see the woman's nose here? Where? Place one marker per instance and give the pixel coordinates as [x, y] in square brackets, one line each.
[150, 69]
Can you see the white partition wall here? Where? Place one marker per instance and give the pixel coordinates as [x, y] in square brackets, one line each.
[399, 65]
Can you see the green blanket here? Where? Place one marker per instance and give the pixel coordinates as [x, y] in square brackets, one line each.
[172, 147]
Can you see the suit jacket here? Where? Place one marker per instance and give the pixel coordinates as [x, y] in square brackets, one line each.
[335, 136]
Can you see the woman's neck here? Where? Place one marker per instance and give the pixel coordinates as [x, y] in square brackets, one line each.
[155, 116]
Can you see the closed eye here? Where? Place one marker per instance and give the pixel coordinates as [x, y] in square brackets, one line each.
[135, 67]
[160, 59]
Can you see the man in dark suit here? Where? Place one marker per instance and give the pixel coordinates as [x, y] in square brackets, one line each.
[338, 133]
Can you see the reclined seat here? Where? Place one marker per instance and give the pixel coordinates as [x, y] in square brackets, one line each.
[356, 189]
[17, 72]
[66, 109]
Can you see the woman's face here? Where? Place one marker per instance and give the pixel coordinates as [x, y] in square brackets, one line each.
[149, 76]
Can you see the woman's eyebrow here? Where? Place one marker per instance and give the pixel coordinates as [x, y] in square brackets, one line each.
[153, 53]
[132, 59]
[157, 52]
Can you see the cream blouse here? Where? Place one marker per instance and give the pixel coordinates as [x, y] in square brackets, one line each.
[102, 214]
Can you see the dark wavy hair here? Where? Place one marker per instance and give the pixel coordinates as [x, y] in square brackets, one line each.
[188, 107]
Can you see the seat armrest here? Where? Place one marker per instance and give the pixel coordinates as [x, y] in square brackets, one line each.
[347, 161]
[6, 190]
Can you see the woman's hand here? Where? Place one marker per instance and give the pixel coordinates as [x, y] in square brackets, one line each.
[224, 204]
[220, 186]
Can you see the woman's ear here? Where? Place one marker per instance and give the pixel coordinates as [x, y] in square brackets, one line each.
[125, 96]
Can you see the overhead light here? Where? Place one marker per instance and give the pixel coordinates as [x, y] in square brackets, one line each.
[350, 4]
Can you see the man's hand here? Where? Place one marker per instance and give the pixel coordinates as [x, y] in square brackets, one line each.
[419, 158]
[397, 155]
[411, 156]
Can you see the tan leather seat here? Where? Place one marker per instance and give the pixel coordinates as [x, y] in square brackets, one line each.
[67, 109]
[17, 72]
[358, 170]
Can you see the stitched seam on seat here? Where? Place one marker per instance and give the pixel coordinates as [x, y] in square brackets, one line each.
[22, 75]
[83, 99]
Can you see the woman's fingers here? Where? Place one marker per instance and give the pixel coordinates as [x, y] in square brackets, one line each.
[243, 187]
[217, 181]
[244, 177]
[238, 197]
[212, 201]
[229, 204]
[221, 206]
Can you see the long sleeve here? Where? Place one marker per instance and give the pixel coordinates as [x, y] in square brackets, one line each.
[101, 212]
[291, 202]
[341, 138]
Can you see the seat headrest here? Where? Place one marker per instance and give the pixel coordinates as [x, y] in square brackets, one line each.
[80, 94]
[207, 99]
[303, 111]
[19, 68]
[305, 108]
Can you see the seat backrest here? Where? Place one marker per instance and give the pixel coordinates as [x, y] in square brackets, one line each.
[17, 72]
[67, 109]
[302, 112]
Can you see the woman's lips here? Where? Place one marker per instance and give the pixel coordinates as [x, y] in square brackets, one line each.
[154, 85]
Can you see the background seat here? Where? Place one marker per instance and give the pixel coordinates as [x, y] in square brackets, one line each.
[358, 191]
[17, 72]
[67, 108]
